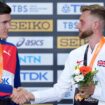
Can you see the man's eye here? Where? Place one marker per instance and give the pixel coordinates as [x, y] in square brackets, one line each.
[5, 22]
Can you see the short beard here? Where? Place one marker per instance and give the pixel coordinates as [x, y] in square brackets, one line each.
[85, 34]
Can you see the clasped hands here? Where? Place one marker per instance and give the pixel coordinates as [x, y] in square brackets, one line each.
[85, 92]
[21, 96]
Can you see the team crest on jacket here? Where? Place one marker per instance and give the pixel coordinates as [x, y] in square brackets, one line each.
[101, 63]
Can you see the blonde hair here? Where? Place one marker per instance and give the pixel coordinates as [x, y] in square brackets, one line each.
[96, 10]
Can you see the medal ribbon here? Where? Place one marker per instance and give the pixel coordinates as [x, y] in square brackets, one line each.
[100, 45]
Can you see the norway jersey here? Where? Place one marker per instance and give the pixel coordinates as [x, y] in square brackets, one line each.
[10, 67]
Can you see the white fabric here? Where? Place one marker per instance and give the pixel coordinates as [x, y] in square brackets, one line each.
[57, 92]
[101, 103]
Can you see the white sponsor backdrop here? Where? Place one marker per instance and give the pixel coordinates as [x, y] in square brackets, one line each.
[32, 42]
[65, 25]
[64, 8]
[37, 76]
[62, 56]
[31, 8]
[42, 61]
[36, 59]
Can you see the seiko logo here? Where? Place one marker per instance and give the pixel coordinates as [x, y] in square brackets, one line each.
[69, 42]
[32, 25]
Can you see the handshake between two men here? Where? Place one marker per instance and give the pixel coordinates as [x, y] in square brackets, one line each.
[21, 96]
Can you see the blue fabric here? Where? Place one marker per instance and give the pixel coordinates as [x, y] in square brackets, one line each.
[6, 88]
[17, 82]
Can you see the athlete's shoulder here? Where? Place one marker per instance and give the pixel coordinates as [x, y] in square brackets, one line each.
[79, 50]
[9, 43]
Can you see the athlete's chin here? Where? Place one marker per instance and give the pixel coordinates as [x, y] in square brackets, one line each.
[4, 37]
[81, 36]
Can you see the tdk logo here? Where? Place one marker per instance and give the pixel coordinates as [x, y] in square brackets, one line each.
[36, 76]
[19, 8]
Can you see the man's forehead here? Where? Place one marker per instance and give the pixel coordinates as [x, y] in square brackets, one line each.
[5, 17]
[85, 15]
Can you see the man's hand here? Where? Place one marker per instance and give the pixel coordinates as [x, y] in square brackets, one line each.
[21, 96]
[85, 92]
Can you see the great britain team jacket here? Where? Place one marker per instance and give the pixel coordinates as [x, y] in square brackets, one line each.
[11, 68]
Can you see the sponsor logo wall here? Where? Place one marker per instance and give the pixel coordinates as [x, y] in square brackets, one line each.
[44, 31]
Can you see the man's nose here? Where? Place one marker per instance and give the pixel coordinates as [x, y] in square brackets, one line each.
[8, 25]
[78, 25]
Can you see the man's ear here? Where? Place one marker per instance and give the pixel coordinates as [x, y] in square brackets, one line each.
[96, 25]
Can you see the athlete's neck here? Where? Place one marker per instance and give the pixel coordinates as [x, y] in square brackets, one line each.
[94, 40]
